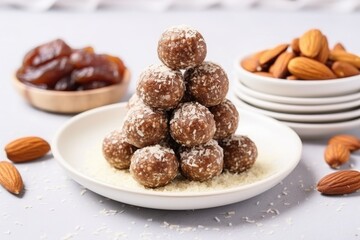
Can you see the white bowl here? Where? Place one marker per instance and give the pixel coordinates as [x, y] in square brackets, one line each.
[297, 88]
[290, 108]
[240, 87]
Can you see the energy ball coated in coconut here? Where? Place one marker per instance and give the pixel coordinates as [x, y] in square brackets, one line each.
[240, 153]
[207, 83]
[134, 101]
[154, 166]
[160, 87]
[203, 162]
[226, 119]
[144, 126]
[181, 46]
[117, 151]
[192, 124]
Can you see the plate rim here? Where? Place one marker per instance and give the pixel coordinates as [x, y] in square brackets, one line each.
[298, 108]
[295, 100]
[279, 174]
[292, 117]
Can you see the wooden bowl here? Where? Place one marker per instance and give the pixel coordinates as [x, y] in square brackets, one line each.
[72, 101]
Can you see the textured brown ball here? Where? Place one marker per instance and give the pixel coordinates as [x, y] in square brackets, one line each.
[207, 83]
[161, 87]
[154, 166]
[226, 119]
[201, 163]
[117, 151]
[192, 124]
[240, 153]
[181, 46]
[134, 101]
[144, 126]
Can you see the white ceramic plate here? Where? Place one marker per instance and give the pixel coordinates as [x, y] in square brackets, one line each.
[287, 108]
[313, 118]
[77, 147]
[239, 87]
[313, 130]
[313, 88]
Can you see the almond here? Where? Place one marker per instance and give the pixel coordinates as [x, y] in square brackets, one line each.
[26, 149]
[295, 46]
[310, 43]
[351, 142]
[269, 55]
[324, 51]
[10, 178]
[336, 154]
[344, 69]
[251, 63]
[339, 46]
[345, 57]
[341, 182]
[309, 69]
[279, 68]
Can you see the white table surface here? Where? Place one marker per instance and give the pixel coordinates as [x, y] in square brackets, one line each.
[55, 207]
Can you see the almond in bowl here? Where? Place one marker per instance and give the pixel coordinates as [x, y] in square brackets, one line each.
[57, 78]
[306, 67]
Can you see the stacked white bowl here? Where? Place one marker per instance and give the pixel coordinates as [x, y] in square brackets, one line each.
[313, 108]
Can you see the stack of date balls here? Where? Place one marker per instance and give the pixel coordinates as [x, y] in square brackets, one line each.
[179, 121]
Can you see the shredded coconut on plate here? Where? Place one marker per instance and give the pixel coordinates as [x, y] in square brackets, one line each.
[98, 168]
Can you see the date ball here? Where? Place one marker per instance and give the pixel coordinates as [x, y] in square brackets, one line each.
[134, 102]
[144, 126]
[117, 151]
[207, 83]
[201, 163]
[181, 46]
[192, 124]
[226, 119]
[160, 87]
[154, 166]
[240, 153]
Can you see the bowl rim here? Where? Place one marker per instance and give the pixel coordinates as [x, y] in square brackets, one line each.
[125, 80]
[327, 82]
[295, 100]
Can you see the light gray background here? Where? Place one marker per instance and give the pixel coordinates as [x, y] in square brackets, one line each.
[55, 207]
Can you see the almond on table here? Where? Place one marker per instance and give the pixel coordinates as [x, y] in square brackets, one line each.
[349, 141]
[336, 154]
[339, 183]
[26, 149]
[10, 178]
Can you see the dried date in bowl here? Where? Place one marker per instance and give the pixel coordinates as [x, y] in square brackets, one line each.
[56, 66]
[57, 78]
[72, 101]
